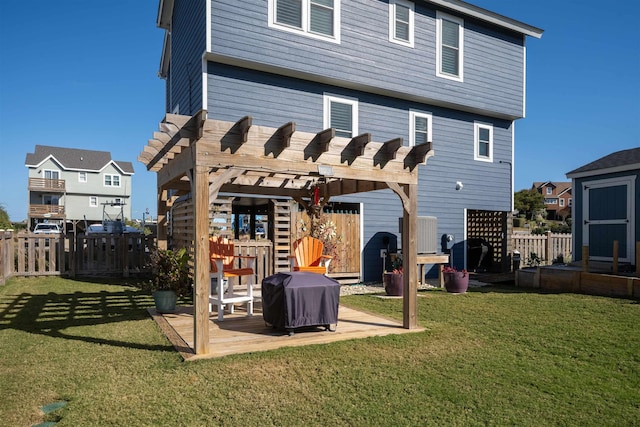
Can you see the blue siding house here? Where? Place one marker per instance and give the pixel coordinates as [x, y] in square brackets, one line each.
[606, 198]
[443, 71]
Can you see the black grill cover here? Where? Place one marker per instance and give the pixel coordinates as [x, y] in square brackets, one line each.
[297, 299]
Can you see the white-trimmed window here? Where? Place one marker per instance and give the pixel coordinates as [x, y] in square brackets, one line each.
[549, 191]
[401, 19]
[51, 174]
[93, 201]
[342, 115]
[450, 46]
[483, 146]
[562, 203]
[82, 177]
[314, 18]
[419, 128]
[111, 180]
[570, 202]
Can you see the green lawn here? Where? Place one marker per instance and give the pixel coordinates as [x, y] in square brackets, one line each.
[493, 356]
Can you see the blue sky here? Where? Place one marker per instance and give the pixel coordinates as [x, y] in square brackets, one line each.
[83, 74]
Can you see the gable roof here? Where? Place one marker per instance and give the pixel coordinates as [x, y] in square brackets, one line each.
[560, 186]
[619, 161]
[76, 159]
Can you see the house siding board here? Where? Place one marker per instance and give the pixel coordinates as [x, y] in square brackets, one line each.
[493, 63]
[235, 92]
[188, 43]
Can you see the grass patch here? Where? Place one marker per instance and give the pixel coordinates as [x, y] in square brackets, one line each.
[493, 356]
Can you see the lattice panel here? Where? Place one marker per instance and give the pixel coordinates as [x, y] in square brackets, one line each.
[492, 226]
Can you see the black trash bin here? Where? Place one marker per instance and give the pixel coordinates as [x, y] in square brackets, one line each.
[300, 299]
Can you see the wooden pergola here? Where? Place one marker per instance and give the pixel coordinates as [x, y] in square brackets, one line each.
[206, 157]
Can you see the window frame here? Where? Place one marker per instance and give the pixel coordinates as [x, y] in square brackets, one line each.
[328, 99]
[549, 191]
[561, 202]
[93, 204]
[476, 142]
[412, 126]
[82, 177]
[111, 176]
[440, 16]
[304, 30]
[51, 172]
[392, 22]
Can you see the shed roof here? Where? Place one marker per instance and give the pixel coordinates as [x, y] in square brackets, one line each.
[619, 161]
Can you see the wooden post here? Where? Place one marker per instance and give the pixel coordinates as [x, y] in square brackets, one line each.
[616, 253]
[585, 258]
[638, 259]
[200, 192]
[410, 257]
[548, 257]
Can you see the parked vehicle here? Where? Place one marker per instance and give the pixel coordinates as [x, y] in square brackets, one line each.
[47, 228]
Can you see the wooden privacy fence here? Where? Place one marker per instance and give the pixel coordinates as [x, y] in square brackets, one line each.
[547, 246]
[28, 254]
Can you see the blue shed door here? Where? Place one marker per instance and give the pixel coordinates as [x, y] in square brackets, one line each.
[607, 211]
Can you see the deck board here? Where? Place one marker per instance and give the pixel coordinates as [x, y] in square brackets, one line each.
[239, 333]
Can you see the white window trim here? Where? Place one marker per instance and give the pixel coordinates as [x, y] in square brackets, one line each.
[111, 175]
[439, 17]
[304, 31]
[44, 172]
[392, 22]
[476, 142]
[549, 191]
[328, 99]
[82, 177]
[561, 203]
[412, 126]
[91, 204]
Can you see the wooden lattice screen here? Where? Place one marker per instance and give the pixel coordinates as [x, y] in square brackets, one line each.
[495, 228]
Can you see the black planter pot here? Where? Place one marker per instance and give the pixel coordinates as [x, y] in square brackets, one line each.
[393, 284]
[165, 300]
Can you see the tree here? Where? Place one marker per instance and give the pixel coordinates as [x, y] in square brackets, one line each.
[528, 202]
[5, 222]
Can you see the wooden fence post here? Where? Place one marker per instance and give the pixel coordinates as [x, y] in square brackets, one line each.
[616, 252]
[548, 256]
[585, 258]
[638, 259]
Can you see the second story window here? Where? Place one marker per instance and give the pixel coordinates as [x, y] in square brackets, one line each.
[93, 201]
[51, 174]
[315, 18]
[561, 203]
[549, 190]
[111, 180]
[82, 177]
[420, 128]
[483, 145]
[342, 115]
[401, 22]
[449, 60]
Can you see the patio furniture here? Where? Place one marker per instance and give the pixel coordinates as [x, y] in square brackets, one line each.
[300, 299]
[222, 258]
[307, 256]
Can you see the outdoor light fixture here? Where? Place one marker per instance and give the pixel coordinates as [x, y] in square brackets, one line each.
[459, 185]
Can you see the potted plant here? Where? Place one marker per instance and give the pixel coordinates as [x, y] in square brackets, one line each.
[455, 281]
[393, 278]
[169, 278]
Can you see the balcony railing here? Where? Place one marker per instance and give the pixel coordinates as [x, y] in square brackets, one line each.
[46, 211]
[42, 184]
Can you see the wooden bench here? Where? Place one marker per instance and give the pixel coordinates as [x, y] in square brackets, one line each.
[222, 258]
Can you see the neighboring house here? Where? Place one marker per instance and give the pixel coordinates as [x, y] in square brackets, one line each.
[68, 186]
[441, 71]
[557, 198]
[607, 202]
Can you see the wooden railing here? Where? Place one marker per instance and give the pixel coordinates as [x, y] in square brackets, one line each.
[42, 184]
[547, 246]
[42, 210]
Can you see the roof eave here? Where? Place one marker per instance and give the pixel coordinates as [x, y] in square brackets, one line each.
[604, 171]
[165, 14]
[488, 16]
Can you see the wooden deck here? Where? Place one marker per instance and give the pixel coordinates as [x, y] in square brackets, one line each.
[239, 333]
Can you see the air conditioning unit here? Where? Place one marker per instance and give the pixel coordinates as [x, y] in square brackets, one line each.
[427, 235]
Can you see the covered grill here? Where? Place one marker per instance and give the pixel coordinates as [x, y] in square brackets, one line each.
[299, 299]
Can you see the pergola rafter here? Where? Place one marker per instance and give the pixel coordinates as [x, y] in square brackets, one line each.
[206, 157]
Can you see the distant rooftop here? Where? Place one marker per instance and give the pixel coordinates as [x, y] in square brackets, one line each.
[615, 162]
[76, 159]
